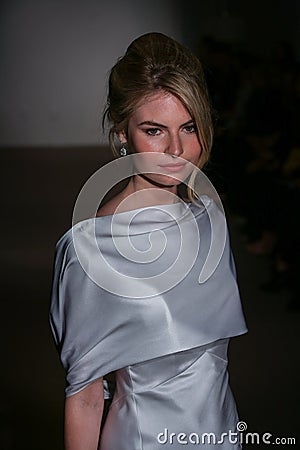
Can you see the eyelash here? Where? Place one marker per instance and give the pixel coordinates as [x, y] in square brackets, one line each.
[152, 131]
[156, 131]
[190, 128]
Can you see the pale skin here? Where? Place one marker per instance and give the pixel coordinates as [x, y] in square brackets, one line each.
[160, 124]
[83, 415]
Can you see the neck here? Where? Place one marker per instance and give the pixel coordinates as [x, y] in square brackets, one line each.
[142, 192]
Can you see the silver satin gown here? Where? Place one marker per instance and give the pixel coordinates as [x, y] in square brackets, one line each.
[166, 337]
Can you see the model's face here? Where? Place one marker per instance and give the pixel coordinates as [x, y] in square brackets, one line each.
[162, 126]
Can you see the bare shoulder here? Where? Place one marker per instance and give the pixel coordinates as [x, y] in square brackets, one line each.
[109, 207]
[106, 210]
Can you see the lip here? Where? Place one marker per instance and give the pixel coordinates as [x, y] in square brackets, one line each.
[175, 167]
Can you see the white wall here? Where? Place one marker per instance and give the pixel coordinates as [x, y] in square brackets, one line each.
[55, 55]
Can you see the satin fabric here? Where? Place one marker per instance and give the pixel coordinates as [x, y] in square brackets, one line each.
[97, 331]
[172, 402]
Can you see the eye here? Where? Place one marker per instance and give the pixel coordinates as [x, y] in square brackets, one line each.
[190, 128]
[152, 131]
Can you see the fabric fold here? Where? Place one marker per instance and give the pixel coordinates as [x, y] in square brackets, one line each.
[98, 330]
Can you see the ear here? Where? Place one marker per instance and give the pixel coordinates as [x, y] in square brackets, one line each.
[122, 136]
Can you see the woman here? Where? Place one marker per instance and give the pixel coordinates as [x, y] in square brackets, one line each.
[149, 318]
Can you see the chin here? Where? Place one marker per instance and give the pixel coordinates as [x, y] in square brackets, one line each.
[163, 180]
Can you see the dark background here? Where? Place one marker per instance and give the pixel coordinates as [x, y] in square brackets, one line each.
[55, 57]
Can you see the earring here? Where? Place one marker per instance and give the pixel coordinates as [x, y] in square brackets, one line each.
[123, 151]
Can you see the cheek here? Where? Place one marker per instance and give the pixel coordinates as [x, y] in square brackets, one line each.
[148, 162]
[197, 155]
[140, 142]
[136, 142]
[194, 150]
[144, 145]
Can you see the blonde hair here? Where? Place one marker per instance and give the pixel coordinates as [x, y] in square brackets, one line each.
[156, 62]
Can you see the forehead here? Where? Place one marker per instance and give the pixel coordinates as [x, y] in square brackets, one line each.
[160, 106]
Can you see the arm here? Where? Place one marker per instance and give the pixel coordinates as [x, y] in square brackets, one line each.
[83, 414]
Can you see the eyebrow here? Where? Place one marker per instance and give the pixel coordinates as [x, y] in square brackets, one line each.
[156, 124]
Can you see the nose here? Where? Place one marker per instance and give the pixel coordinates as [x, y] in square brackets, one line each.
[174, 146]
